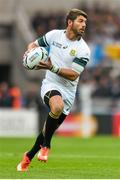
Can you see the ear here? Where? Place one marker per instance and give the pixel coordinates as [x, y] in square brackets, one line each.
[70, 22]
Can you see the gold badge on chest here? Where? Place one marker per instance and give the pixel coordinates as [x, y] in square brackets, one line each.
[72, 52]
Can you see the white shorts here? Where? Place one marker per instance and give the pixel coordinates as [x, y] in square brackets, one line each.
[67, 96]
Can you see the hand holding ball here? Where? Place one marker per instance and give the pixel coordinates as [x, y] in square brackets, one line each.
[34, 56]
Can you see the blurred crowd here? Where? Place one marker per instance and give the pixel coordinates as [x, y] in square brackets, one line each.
[104, 80]
[103, 22]
[10, 96]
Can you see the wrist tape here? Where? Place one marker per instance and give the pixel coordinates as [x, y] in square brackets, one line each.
[55, 69]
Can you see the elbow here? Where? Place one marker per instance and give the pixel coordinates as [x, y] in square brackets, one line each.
[73, 78]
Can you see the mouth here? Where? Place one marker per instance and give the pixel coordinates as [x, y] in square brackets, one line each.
[82, 30]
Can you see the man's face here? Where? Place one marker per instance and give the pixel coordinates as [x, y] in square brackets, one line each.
[78, 25]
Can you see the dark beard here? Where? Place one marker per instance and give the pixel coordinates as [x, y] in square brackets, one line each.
[77, 34]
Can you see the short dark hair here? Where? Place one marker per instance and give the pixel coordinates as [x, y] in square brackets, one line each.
[74, 13]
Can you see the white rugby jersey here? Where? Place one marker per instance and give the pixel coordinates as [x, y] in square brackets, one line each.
[65, 53]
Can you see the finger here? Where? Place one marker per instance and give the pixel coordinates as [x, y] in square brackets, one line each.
[49, 60]
[26, 53]
[38, 67]
[42, 63]
[24, 56]
[41, 66]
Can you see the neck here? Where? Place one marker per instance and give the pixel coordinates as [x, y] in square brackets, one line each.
[71, 35]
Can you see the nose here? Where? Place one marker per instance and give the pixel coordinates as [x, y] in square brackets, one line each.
[84, 24]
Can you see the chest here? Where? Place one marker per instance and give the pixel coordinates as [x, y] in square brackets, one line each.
[64, 50]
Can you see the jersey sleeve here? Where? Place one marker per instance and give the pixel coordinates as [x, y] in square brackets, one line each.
[80, 61]
[46, 40]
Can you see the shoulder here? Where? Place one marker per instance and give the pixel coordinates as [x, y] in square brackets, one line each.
[83, 49]
[52, 36]
[84, 45]
[55, 31]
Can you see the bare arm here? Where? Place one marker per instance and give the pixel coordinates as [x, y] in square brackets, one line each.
[31, 46]
[68, 74]
[64, 72]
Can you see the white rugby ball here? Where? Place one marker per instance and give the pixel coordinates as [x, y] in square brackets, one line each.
[34, 56]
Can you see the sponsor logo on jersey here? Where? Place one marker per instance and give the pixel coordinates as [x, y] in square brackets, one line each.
[65, 47]
[57, 44]
[73, 52]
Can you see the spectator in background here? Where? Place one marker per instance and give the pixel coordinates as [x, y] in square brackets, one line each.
[15, 93]
[42, 23]
[104, 88]
[116, 88]
[10, 97]
[5, 96]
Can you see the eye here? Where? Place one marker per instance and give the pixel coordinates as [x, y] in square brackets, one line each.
[81, 21]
